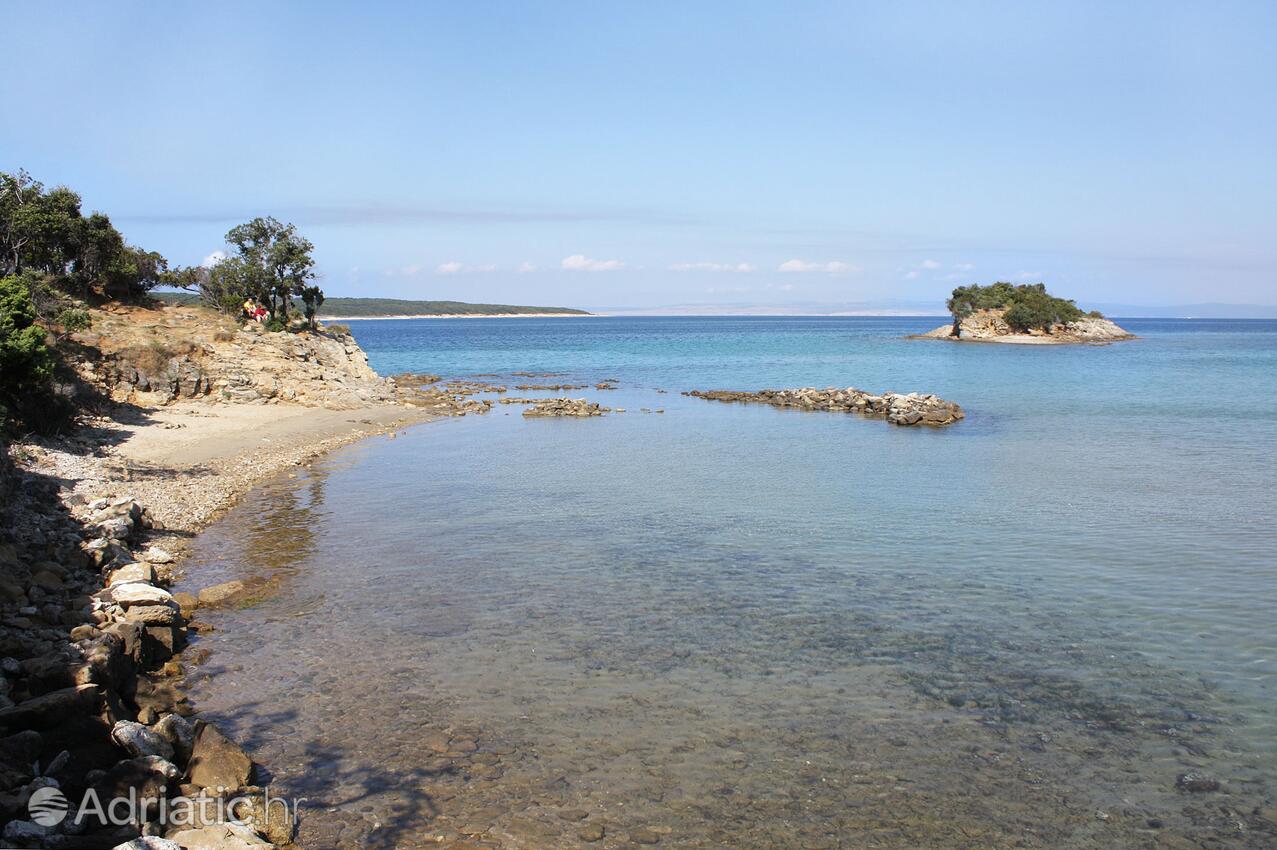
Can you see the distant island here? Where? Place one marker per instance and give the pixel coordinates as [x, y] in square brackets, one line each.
[386, 308]
[1024, 314]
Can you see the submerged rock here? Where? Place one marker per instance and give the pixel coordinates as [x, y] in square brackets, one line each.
[898, 409]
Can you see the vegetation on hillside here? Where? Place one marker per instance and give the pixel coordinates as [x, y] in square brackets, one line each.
[27, 364]
[374, 307]
[1027, 306]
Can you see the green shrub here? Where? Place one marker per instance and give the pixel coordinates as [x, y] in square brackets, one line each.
[27, 365]
[275, 324]
[74, 319]
[1095, 314]
[1028, 306]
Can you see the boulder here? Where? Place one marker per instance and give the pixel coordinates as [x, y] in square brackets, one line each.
[220, 594]
[152, 615]
[140, 593]
[217, 761]
[179, 732]
[221, 836]
[269, 817]
[52, 709]
[135, 572]
[139, 740]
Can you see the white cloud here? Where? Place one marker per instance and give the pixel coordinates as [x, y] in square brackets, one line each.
[911, 275]
[525, 267]
[929, 265]
[582, 263]
[964, 267]
[403, 271]
[213, 259]
[454, 267]
[712, 267]
[831, 267]
[1029, 277]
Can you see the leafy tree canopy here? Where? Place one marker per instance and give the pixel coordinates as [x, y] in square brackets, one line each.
[44, 231]
[1027, 306]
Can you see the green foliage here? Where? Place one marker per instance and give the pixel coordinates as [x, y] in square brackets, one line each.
[26, 363]
[273, 261]
[44, 231]
[1095, 314]
[74, 319]
[312, 299]
[1028, 306]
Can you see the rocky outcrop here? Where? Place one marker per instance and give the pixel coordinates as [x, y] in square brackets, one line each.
[565, 407]
[898, 409]
[989, 326]
[155, 357]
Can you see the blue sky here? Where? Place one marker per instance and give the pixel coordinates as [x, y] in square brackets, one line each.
[612, 155]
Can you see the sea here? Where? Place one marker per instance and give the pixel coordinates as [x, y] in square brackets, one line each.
[703, 625]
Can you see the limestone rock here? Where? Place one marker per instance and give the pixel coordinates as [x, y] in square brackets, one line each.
[217, 761]
[139, 740]
[221, 836]
[565, 407]
[896, 408]
[179, 732]
[219, 594]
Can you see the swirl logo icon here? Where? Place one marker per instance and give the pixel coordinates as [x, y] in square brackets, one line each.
[47, 806]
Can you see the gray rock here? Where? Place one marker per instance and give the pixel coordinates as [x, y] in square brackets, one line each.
[139, 740]
[140, 593]
[179, 732]
[23, 831]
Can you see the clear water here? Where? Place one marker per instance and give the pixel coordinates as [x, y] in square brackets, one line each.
[736, 626]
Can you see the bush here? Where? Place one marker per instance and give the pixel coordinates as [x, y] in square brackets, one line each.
[74, 319]
[1027, 307]
[27, 365]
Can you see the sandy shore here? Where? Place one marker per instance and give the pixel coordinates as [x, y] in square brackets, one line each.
[188, 462]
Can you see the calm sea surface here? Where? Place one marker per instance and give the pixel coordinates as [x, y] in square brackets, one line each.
[736, 626]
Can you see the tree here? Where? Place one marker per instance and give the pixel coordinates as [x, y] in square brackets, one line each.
[274, 260]
[37, 228]
[26, 363]
[1025, 307]
[313, 299]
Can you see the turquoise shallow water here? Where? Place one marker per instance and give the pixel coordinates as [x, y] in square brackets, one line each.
[737, 625]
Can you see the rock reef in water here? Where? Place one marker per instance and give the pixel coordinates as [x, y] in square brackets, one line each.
[565, 407]
[898, 409]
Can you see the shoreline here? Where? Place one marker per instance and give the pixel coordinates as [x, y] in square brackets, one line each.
[125, 495]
